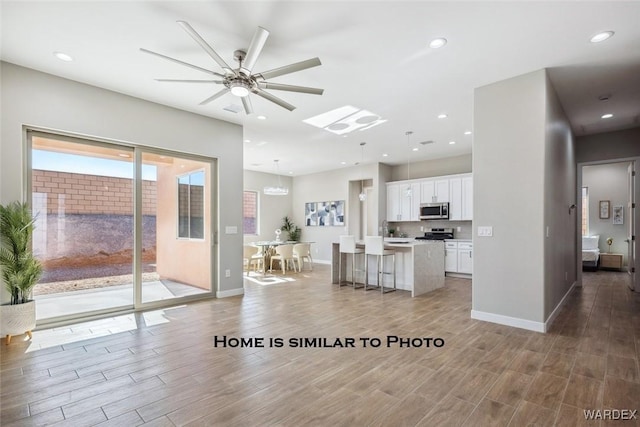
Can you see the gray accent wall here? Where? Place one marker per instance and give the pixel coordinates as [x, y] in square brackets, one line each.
[608, 146]
[524, 182]
[560, 245]
[32, 98]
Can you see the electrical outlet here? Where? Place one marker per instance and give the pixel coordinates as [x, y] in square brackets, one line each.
[227, 273]
[422, 228]
[459, 229]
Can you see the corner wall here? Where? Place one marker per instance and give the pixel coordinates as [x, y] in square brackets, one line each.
[524, 182]
[560, 242]
[508, 187]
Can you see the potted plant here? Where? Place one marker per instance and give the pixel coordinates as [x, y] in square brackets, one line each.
[20, 270]
[293, 230]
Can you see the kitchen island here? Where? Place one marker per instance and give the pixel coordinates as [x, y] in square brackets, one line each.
[419, 266]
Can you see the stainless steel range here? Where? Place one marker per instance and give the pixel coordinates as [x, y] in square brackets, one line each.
[437, 234]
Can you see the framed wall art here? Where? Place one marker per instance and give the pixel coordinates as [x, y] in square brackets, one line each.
[310, 214]
[604, 209]
[618, 215]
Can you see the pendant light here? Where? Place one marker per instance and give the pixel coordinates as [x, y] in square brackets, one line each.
[408, 189]
[279, 190]
[362, 196]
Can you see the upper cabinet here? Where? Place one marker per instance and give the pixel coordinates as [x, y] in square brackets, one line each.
[403, 201]
[467, 198]
[435, 191]
[404, 205]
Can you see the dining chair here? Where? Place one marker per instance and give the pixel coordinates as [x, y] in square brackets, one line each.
[348, 246]
[284, 254]
[302, 251]
[374, 245]
[252, 256]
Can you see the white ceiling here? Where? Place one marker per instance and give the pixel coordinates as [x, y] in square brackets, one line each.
[374, 55]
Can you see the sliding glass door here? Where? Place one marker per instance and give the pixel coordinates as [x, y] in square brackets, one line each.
[176, 232]
[82, 197]
[117, 227]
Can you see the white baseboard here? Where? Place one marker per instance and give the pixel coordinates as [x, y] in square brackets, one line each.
[508, 321]
[322, 261]
[230, 293]
[556, 311]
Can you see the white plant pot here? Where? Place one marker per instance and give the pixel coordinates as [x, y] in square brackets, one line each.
[18, 318]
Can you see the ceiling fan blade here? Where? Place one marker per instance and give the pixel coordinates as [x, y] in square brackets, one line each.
[291, 88]
[203, 44]
[274, 99]
[257, 43]
[246, 102]
[288, 69]
[177, 61]
[215, 96]
[219, 82]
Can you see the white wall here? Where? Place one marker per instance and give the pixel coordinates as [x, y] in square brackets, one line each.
[271, 209]
[508, 175]
[32, 98]
[608, 182]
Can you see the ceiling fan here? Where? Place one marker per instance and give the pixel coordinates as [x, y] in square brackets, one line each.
[241, 81]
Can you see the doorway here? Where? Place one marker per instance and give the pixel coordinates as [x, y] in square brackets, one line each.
[609, 190]
[117, 227]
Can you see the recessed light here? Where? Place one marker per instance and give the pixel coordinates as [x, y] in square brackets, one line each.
[442, 116]
[415, 149]
[607, 116]
[262, 117]
[290, 172]
[63, 56]
[600, 37]
[437, 43]
[343, 163]
[451, 142]
[385, 155]
[468, 132]
[247, 140]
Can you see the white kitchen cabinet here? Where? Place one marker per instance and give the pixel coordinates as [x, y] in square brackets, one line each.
[400, 206]
[435, 191]
[450, 257]
[394, 208]
[455, 199]
[465, 257]
[467, 198]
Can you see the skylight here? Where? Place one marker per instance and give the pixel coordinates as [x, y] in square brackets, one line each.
[345, 120]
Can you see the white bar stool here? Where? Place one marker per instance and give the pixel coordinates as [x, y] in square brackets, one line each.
[348, 246]
[374, 245]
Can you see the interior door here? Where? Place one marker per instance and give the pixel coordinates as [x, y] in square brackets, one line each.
[631, 242]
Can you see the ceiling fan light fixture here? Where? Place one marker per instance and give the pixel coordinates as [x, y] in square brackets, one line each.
[239, 88]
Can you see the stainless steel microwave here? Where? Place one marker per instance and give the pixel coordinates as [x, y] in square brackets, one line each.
[434, 211]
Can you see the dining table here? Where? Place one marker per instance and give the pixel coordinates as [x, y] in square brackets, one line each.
[268, 249]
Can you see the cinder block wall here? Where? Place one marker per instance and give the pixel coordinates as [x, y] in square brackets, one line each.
[73, 193]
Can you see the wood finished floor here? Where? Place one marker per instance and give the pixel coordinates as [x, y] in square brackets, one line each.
[161, 368]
